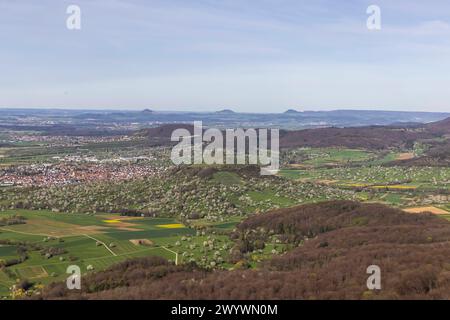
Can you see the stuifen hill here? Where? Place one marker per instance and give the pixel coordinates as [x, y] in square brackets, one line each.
[330, 245]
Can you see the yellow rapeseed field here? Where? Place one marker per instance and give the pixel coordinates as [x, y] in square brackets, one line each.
[171, 226]
[112, 221]
[399, 187]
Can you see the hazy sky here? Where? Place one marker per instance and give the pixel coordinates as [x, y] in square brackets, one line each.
[248, 55]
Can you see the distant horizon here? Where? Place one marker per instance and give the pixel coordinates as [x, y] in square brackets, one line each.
[234, 110]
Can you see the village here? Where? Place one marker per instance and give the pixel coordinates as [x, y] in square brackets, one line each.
[73, 169]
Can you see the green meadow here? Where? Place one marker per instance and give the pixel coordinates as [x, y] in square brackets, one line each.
[92, 242]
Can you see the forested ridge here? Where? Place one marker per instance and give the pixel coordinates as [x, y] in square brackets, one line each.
[367, 137]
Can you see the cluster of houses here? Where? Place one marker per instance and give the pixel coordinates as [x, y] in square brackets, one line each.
[64, 173]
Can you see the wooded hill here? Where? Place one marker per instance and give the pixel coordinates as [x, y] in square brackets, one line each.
[372, 137]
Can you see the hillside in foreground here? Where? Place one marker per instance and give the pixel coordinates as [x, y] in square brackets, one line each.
[327, 248]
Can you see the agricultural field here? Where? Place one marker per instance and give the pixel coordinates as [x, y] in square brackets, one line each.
[426, 177]
[378, 177]
[338, 157]
[53, 241]
[320, 157]
[372, 179]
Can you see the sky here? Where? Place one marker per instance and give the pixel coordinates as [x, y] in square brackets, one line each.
[206, 55]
